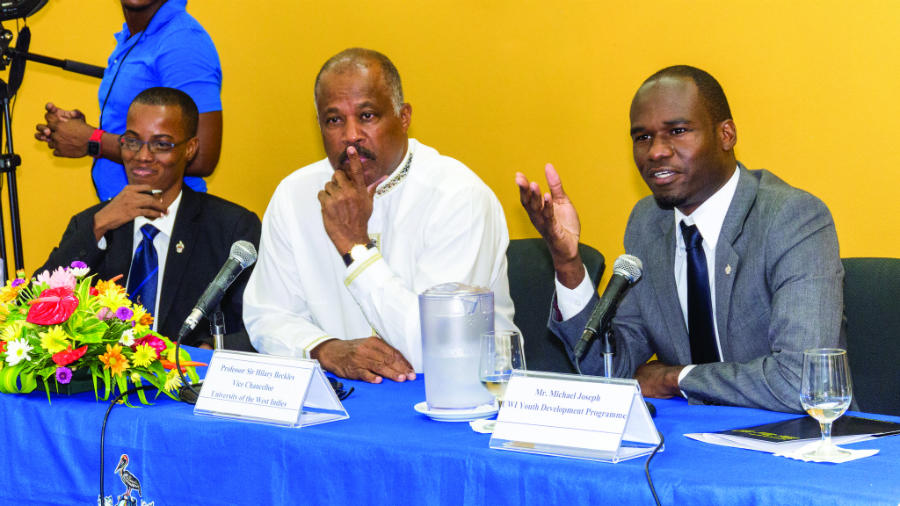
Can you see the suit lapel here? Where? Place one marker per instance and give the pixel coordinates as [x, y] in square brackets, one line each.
[661, 273]
[119, 252]
[176, 262]
[727, 258]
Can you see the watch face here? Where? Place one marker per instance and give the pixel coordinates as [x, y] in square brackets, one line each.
[358, 251]
[94, 148]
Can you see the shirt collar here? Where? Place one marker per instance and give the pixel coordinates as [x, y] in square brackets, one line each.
[710, 215]
[399, 173]
[165, 223]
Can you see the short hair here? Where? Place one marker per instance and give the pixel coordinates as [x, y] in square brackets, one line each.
[709, 89]
[360, 57]
[162, 95]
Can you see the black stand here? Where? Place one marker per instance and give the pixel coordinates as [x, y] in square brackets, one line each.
[8, 163]
[15, 57]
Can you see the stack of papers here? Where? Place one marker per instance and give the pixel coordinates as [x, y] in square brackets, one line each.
[789, 435]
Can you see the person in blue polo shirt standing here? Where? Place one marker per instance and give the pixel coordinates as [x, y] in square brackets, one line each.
[160, 45]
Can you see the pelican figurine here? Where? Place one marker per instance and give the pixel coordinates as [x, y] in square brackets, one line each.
[128, 478]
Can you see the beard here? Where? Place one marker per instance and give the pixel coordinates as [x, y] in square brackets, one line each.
[668, 202]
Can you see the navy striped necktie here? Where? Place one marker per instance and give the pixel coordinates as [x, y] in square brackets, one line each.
[699, 303]
[143, 277]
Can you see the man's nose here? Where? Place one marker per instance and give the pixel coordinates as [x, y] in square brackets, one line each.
[352, 132]
[660, 148]
[143, 152]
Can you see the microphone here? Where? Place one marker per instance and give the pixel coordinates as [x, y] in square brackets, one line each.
[241, 256]
[626, 271]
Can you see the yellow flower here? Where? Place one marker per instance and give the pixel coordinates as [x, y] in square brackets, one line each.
[114, 360]
[55, 339]
[11, 331]
[4, 312]
[136, 378]
[173, 381]
[138, 312]
[144, 354]
[142, 320]
[9, 292]
[113, 298]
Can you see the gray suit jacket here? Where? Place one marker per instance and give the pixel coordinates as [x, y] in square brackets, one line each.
[779, 291]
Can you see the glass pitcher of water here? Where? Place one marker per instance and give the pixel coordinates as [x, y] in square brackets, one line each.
[454, 316]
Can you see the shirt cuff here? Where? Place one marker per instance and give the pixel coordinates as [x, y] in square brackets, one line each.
[313, 343]
[361, 268]
[572, 301]
[684, 372]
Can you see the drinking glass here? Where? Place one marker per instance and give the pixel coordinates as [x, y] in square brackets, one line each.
[825, 394]
[501, 352]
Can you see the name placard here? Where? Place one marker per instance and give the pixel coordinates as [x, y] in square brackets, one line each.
[286, 391]
[566, 415]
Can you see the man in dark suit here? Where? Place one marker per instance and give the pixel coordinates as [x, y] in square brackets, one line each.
[186, 235]
[741, 272]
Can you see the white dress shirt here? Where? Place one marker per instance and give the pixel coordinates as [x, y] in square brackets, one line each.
[164, 224]
[433, 221]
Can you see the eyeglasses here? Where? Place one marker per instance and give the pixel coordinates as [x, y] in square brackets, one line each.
[155, 146]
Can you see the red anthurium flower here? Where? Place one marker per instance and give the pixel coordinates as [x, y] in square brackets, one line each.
[2, 346]
[55, 305]
[68, 355]
[94, 292]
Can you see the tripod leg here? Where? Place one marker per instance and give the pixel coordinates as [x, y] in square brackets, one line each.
[15, 226]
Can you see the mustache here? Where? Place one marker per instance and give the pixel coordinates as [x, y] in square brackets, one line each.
[361, 151]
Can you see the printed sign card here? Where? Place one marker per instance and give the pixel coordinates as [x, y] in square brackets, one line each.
[586, 417]
[287, 391]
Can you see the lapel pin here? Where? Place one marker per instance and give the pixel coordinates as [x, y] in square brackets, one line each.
[179, 247]
[728, 269]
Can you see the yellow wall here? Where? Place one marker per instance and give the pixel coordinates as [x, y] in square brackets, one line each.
[510, 85]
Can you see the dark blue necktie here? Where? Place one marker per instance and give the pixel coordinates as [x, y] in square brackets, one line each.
[699, 302]
[142, 279]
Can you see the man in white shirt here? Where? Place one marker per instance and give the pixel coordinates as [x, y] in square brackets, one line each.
[350, 241]
[741, 271]
[180, 237]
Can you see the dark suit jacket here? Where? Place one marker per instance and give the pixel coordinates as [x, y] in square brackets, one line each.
[206, 225]
[778, 292]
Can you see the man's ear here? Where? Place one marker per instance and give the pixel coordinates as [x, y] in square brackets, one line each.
[727, 133]
[405, 116]
[191, 150]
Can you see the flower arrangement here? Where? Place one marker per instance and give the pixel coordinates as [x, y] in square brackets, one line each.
[57, 324]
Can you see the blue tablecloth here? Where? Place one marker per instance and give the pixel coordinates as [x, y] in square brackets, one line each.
[387, 453]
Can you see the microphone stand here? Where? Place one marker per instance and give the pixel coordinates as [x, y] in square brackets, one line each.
[217, 329]
[187, 392]
[609, 349]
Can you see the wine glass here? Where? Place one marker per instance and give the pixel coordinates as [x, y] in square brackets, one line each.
[501, 352]
[825, 394]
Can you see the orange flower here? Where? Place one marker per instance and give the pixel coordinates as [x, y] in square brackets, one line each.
[114, 360]
[103, 286]
[146, 319]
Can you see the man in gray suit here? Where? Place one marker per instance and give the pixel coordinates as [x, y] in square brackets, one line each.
[760, 281]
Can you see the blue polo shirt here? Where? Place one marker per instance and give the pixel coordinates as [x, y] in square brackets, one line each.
[174, 51]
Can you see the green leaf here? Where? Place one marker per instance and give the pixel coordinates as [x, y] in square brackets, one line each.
[12, 377]
[91, 330]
